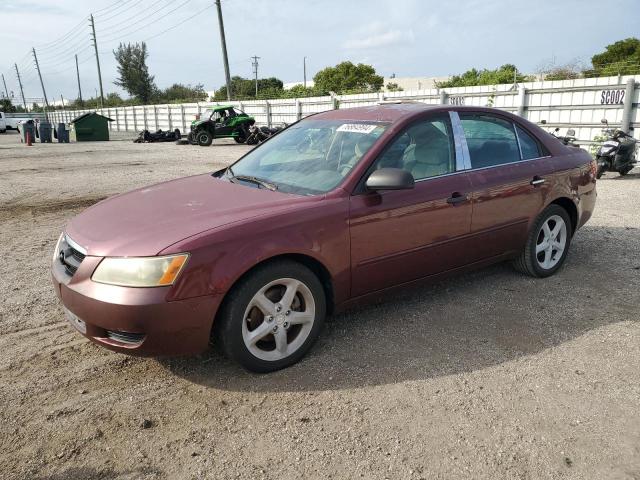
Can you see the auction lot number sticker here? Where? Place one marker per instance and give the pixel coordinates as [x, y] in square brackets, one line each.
[612, 97]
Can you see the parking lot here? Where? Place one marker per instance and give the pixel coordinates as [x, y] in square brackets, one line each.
[489, 375]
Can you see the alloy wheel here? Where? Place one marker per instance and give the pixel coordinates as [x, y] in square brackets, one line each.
[551, 242]
[278, 319]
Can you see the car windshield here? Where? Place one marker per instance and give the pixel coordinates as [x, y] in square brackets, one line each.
[310, 157]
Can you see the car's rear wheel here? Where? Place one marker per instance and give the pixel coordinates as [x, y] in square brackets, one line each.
[204, 138]
[272, 317]
[548, 243]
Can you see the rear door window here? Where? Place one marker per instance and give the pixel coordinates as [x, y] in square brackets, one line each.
[491, 140]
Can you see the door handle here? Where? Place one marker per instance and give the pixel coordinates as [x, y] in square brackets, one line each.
[457, 198]
[537, 181]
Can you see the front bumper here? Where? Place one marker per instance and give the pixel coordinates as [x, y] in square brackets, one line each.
[137, 321]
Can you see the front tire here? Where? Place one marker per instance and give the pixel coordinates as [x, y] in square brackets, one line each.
[272, 317]
[547, 244]
[204, 138]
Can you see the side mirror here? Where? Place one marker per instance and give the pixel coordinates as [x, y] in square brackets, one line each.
[571, 132]
[390, 179]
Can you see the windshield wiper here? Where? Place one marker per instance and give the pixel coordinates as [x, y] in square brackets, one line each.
[256, 180]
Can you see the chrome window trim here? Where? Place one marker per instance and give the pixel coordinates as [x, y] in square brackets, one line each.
[515, 132]
[463, 158]
[74, 245]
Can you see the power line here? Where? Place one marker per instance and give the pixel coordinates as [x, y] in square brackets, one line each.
[112, 37]
[147, 16]
[178, 24]
[110, 17]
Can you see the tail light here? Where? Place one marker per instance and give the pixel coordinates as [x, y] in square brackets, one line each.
[197, 116]
[593, 169]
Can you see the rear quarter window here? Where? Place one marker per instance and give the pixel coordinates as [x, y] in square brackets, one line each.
[528, 145]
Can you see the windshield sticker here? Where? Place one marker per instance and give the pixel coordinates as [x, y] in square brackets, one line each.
[356, 128]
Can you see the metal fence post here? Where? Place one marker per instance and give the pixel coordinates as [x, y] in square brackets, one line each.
[298, 109]
[144, 117]
[444, 97]
[155, 118]
[628, 105]
[522, 101]
[117, 119]
[126, 121]
[169, 116]
[184, 125]
[135, 120]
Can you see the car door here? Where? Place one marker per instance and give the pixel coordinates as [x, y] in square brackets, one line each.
[507, 176]
[403, 235]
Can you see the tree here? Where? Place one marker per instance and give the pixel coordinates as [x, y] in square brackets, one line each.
[568, 71]
[245, 88]
[182, 93]
[347, 77]
[7, 106]
[394, 87]
[619, 58]
[507, 73]
[133, 71]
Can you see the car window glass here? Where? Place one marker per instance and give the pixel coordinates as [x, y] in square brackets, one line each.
[491, 140]
[528, 146]
[312, 156]
[425, 149]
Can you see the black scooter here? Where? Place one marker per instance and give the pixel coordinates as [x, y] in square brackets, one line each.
[260, 134]
[618, 153]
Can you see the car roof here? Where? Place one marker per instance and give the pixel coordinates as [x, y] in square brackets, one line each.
[386, 112]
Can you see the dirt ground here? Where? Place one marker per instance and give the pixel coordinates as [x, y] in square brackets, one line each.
[492, 375]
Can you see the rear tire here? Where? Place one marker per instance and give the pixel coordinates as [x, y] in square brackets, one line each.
[624, 171]
[203, 138]
[545, 252]
[600, 172]
[271, 318]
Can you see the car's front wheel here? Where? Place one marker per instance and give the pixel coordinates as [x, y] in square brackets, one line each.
[272, 317]
[547, 244]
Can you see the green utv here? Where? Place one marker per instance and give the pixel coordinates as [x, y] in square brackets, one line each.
[223, 121]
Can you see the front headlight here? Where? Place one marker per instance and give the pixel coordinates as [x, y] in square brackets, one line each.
[140, 271]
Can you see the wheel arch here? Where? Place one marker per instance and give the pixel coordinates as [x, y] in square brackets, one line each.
[312, 263]
[570, 208]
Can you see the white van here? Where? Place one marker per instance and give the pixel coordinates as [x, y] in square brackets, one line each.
[3, 123]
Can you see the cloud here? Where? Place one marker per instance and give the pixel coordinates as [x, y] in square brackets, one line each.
[377, 35]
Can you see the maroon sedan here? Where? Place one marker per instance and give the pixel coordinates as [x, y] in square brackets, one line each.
[333, 210]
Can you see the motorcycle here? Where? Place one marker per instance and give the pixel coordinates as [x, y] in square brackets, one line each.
[145, 136]
[568, 139]
[260, 134]
[617, 153]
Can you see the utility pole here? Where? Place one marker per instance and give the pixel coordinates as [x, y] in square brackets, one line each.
[78, 75]
[24, 102]
[255, 71]
[223, 43]
[5, 86]
[304, 71]
[44, 94]
[62, 98]
[95, 47]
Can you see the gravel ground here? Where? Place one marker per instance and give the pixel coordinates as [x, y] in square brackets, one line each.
[491, 375]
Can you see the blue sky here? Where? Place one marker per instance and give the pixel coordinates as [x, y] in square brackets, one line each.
[405, 37]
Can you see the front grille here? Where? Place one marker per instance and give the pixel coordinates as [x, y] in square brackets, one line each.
[69, 256]
[126, 337]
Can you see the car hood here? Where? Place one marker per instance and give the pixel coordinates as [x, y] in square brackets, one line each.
[148, 220]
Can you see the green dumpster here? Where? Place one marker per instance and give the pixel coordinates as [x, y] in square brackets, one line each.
[90, 127]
